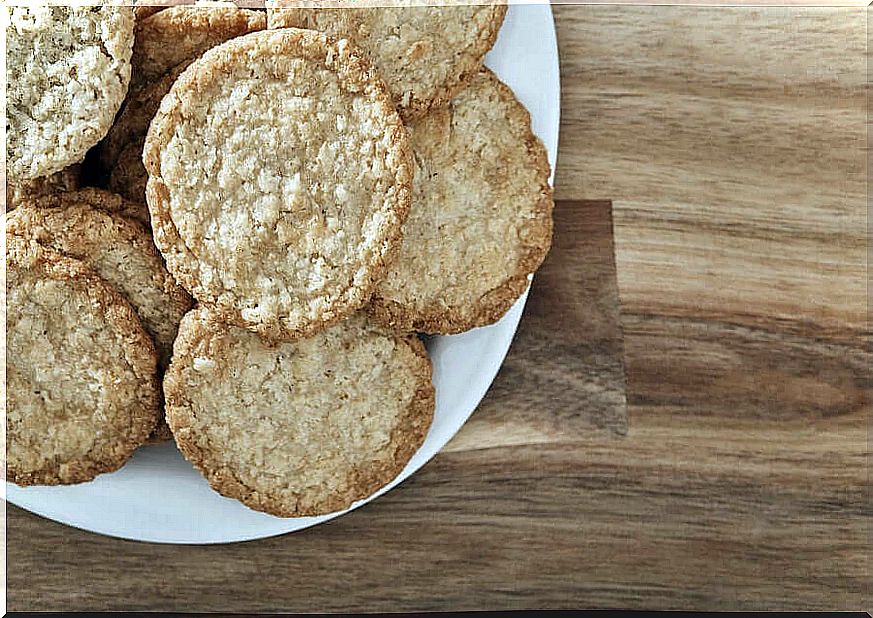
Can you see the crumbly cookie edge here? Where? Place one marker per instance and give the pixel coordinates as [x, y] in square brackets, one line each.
[178, 255]
[199, 325]
[140, 356]
[494, 304]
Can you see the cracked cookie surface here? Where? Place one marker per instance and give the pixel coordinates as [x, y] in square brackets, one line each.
[82, 389]
[301, 428]
[481, 217]
[425, 54]
[67, 73]
[279, 177]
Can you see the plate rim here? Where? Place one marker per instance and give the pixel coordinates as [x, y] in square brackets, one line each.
[516, 313]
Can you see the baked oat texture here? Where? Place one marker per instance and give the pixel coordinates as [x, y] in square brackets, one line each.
[67, 72]
[302, 428]
[180, 34]
[65, 180]
[142, 11]
[97, 198]
[426, 54]
[481, 220]
[82, 387]
[279, 177]
[118, 250]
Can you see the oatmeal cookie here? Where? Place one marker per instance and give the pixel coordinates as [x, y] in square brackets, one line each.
[180, 34]
[67, 73]
[279, 177]
[82, 387]
[481, 220]
[300, 428]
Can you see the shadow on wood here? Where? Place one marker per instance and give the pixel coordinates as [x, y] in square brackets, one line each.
[564, 375]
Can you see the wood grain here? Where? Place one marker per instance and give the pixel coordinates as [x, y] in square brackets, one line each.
[732, 143]
[734, 155]
[558, 386]
[667, 518]
[567, 380]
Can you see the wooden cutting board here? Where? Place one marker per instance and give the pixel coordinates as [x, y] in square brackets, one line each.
[731, 143]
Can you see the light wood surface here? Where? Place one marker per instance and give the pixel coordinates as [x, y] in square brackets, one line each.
[731, 142]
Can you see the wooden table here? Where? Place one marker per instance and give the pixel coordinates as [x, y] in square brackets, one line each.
[731, 145]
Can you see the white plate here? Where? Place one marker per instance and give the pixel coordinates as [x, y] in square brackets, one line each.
[157, 496]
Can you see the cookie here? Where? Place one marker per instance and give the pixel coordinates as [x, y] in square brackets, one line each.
[279, 177]
[67, 73]
[122, 253]
[301, 428]
[182, 33]
[425, 54]
[98, 198]
[133, 122]
[82, 388]
[146, 8]
[128, 178]
[481, 220]
[118, 250]
[65, 180]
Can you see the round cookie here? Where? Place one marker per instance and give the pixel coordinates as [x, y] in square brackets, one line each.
[425, 54]
[182, 33]
[82, 389]
[302, 428]
[280, 213]
[118, 250]
[481, 220]
[59, 182]
[121, 252]
[67, 73]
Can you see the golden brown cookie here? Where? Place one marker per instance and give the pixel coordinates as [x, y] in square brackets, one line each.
[425, 54]
[82, 389]
[481, 219]
[98, 198]
[118, 250]
[65, 180]
[67, 72]
[122, 253]
[180, 34]
[279, 178]
[301, 428]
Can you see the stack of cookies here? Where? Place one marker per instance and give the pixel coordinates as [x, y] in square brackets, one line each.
[286, 198]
